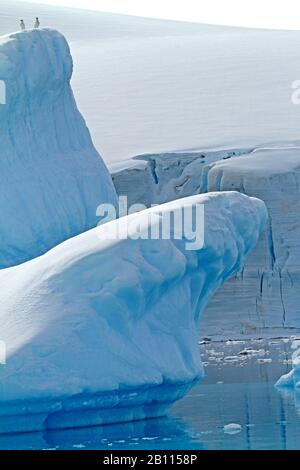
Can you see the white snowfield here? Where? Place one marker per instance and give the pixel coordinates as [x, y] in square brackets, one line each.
[96, 331]
[156, 86]
[52, 177]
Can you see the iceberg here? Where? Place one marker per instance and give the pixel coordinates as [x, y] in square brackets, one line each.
[291, 380]
[110, 327]
[52, 177]
[97, 329]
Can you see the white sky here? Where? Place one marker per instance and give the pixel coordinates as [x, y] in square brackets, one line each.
[283, 14]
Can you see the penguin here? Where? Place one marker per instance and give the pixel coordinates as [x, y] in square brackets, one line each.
[22, 25]
[37, 23]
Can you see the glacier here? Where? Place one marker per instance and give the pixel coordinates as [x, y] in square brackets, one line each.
[158, 178]
[263, 298]
[267, 291]
[97, 330]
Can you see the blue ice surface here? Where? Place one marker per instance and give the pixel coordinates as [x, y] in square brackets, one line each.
[238, 389]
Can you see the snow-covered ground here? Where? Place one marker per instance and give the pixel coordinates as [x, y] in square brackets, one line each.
[154, 86]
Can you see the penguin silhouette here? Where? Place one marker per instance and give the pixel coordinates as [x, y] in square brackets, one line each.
[22, 25]
[37, 23]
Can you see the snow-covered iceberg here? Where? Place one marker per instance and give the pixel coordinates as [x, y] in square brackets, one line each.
[52, 178]
[291, 380]
[102, 331]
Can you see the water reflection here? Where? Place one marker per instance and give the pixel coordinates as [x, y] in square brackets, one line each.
[238, 389]
[168, 433]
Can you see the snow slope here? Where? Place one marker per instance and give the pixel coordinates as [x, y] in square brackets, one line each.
[150, 86]
[119, 317]
[52, 179]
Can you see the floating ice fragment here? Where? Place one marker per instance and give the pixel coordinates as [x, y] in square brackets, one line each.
[231, 342]
[264, 361]
[231, 359]
[252, 352]
[232, 428]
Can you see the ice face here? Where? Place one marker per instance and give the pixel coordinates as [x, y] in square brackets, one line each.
[266, 292]
[52, 179]
[264, 297]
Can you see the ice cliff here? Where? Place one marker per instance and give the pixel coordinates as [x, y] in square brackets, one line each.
[267, 291]
[158, 178]
[51, 177]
